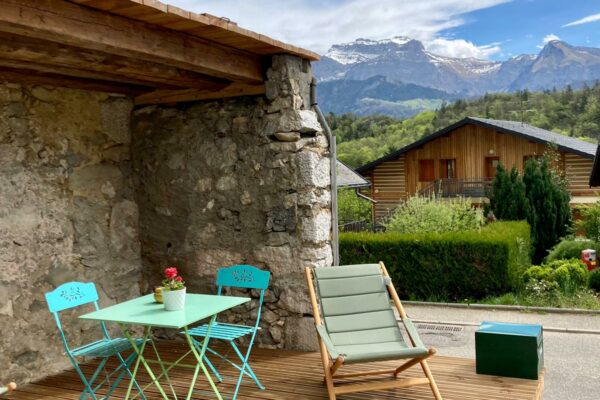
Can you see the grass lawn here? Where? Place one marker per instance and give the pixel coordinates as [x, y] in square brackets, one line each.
[585, 298]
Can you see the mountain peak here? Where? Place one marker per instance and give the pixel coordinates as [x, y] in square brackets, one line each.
[363, 49]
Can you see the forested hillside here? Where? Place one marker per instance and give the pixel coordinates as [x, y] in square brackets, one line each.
[570, 112]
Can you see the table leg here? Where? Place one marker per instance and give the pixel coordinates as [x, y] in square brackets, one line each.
[142, 359]
[200, 359]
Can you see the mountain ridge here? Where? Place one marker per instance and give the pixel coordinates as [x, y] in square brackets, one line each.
[405, 61]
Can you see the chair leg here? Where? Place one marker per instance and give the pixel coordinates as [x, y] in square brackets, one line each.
[198, 347]
[327, 371]
[245, 365]
[88, 388]
[213, 369]
[432, 384]
[125, 363]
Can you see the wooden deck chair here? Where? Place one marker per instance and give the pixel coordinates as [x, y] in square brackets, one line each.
[359, 326]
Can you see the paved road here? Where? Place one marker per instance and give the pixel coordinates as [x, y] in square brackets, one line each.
[572, 360]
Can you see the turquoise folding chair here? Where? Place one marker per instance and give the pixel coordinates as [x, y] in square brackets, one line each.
[237, 276]
[75, 294]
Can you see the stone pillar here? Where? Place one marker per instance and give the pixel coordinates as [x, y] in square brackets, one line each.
[243, 180]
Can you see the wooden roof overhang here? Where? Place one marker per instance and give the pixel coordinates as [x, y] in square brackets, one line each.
[143, 48]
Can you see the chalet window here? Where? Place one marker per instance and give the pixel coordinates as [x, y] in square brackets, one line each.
[426, 171]
[491, 163]
[448, 168]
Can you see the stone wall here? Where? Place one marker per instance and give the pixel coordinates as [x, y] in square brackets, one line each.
[243, 180]
[67, 212]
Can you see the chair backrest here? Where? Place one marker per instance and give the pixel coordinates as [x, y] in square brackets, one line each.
[243, 276]
[70, 295]
[247, 277]
[355, 304]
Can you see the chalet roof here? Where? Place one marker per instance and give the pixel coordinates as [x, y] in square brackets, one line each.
[347, 178]
[526, 131]
[216, 29]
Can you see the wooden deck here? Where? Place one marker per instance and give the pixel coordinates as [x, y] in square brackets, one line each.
[298, 375]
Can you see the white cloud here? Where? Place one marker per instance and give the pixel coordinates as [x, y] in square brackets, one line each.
[460, 48]
[547, 39]
[584, 20]
[316, 24]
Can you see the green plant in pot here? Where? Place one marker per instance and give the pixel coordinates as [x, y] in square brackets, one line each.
[173, 290]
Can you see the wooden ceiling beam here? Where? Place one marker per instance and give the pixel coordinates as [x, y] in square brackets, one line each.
[31, 77]
[117, 68]
[74, 25]
[76, 73]
[179, 96]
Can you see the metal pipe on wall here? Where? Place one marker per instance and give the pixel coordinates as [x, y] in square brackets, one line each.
[333, 171]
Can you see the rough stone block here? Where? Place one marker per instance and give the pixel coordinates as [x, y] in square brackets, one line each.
[313, 169]
[300, 334]
[316, 229]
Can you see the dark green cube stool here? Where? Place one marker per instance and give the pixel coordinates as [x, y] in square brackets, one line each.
[513, 350]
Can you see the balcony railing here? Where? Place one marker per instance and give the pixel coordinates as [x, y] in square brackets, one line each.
[452, 187]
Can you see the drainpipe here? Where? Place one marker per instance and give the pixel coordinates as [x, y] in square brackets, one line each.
[362, 196]
[333, 170]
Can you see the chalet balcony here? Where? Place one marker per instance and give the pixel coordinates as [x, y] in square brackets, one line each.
[454, 187]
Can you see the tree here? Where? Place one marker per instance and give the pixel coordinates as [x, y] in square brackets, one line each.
[351, 207]
[540, 196]
[507, 198]
[549, 212]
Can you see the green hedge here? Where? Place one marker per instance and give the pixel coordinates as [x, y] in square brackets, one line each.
[454, 265]
[571, 248]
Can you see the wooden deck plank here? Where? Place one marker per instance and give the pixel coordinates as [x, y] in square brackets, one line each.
[298, 375]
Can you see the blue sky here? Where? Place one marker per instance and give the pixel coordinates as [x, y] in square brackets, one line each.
[493, 29]
[520, 26]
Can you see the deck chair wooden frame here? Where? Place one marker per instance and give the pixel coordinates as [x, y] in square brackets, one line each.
[332, 365]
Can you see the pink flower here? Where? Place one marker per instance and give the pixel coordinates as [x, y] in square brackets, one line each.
[179, 279]
[170, 272]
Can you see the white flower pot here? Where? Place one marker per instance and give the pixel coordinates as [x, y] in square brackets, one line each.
[174, 300]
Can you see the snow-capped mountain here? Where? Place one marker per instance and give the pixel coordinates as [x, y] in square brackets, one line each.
[402, 61]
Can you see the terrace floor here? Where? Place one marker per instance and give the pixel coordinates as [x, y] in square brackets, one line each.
[298, 375]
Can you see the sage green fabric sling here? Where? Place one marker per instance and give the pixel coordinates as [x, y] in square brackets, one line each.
[359, 320]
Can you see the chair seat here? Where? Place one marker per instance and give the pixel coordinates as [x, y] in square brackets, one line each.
[227, 332]
[104, 347]
[355, 353]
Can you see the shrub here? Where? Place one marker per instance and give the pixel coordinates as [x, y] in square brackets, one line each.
[545, 203]
[562, 277]
[425, 215]
[595, 280]
[452, 265]
[536, 273]
[570, 248]
[351, 207]
[567, 275]
[507, 198]
[590, 220]
[549, 211]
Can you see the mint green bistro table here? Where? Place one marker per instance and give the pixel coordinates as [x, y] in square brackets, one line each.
[146, 312]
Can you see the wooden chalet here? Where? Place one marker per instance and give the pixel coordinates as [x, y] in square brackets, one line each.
[461, 160]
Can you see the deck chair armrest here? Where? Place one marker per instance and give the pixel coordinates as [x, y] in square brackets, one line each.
[412, 332]
[327, 340]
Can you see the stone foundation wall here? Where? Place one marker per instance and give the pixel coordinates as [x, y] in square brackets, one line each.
[243, 180]
[67, 212]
